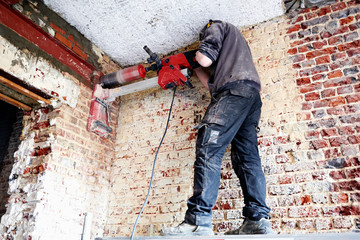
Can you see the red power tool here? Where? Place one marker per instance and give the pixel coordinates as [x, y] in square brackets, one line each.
[169, 69]
[170, 73]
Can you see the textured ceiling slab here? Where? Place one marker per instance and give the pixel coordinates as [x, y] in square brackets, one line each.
[122, 27]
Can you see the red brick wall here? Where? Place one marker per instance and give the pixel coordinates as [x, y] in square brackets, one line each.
[61, 172]
[309, 139]
[324, 49]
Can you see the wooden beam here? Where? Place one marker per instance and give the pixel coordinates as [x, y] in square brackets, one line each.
[22, 90]
[14, 102]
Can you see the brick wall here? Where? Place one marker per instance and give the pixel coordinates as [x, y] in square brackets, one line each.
[309, 139]
[309, 65]
[61, 171]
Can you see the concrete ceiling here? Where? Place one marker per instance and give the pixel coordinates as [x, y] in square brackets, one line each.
[122, 27]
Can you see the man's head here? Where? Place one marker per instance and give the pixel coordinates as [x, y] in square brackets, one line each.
[201, 35]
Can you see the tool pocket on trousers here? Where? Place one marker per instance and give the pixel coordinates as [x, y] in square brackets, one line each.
[216, 113]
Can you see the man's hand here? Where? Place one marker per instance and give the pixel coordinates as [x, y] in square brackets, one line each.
[202, 59]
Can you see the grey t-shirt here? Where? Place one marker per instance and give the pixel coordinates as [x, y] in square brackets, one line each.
[232, 60]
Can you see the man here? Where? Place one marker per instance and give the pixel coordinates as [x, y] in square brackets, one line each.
[232, 117]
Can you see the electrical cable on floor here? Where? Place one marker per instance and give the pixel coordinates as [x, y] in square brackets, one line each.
[153, 169]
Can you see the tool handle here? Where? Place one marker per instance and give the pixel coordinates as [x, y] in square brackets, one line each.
[153, 56]
[147, 49]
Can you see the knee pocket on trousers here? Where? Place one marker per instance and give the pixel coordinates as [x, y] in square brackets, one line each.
[207, 134]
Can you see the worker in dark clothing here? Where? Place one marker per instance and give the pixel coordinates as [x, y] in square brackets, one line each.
[231, 118]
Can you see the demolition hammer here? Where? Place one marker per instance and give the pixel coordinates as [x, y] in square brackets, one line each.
[171, 71]
[168, 70]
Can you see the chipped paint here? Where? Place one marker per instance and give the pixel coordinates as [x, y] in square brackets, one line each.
[37, 72]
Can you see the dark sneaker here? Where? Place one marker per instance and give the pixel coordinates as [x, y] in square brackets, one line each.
[185, 229]
[253, 227]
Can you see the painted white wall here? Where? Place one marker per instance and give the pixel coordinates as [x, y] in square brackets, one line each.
[122, 27]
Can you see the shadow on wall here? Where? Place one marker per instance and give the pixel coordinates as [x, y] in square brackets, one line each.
[10, 131]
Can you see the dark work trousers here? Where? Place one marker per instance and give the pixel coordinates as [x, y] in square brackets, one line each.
[232, 117]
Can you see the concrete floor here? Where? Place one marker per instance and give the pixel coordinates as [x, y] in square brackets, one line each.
[312, 236]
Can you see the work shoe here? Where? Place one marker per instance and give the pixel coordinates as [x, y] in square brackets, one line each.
[253, 227]
[185, 229]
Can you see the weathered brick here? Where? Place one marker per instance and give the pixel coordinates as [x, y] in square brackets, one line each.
[288, 189]
[324, 10]
[306, 224]
[337, 101]
[318, 77]
[351, 71]
[320, 198]
[342, 223]
[339, 198]
[282, 158]
[355, 161]
[318, 53]
[292, 51]
[285, 179]
[80, 52]
[63, 40]
[355, 197]
[294, 28]
[322, 60]
[329, 132]
[306, 64]
[306, 106]
[297, 58]
[337, 82]
[350, 109]
[288, 224]
[349, 46]
[331, 211]
[353, 52]
[350, 118]
[319, 113]
[57, 29]
[354, 27]
[278, 212]
[353, 173]
[312, 96]
[328, 93]
[335, 74]
[303, 81]
[296, 167]
[303, 177]
[344, 90]
[335, 111]
[351, 36]
[349, 210]
[318, 144]
[338, 6]
[349, 185]
[323, 224]
[310, 87]
[320, 45]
